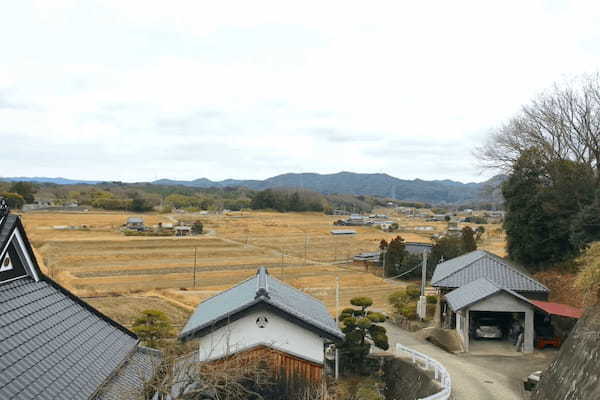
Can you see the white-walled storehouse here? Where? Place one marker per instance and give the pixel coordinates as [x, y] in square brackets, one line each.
[264, 313]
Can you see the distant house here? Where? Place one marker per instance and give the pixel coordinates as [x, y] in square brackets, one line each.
[418, 249]
[165, 226]
[183, 230]
[135, 224]
[264, 316]
[53, 345]
[343, 232]
[453, 229]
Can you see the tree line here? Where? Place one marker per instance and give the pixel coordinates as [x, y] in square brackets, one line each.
[550, 151]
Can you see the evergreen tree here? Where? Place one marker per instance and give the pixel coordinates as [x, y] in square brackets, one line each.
[542, 199]
[25, 189]
[152, 327]
[394, 255]
[468, 240]
[585, 227]
[361, 329]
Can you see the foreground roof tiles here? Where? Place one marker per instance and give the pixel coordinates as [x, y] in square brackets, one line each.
[262, 288]
[52, 344]
[52, 347]
[477, 264]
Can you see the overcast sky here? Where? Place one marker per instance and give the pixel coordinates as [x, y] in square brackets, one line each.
[139, 90]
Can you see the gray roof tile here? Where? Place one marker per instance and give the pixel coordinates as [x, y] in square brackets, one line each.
[53, 347]
[476, 291]
[467, 268]
[129, 381]
[261, 288]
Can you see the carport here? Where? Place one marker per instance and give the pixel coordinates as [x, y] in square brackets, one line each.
[484, 298]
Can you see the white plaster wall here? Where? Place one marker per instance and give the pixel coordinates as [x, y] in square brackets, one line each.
[244, 333]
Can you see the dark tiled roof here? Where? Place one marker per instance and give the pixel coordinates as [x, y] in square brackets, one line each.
[477, 264]
[7, 225]
[262, 288]
[476, 291]
[128, 383]
[54, 347]
[418, 248]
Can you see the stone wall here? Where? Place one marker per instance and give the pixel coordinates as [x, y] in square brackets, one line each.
[405, 381]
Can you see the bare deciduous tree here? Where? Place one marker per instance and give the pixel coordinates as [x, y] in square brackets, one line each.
[562, 124]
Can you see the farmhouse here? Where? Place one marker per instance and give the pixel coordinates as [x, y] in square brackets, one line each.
[135, 223]
[264, 315]
[485, 297]
[183, 230]
[52, 344]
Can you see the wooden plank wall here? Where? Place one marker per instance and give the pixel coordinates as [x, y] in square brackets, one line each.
[280, 361]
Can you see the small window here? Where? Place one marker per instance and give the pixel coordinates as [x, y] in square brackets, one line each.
[6, 264]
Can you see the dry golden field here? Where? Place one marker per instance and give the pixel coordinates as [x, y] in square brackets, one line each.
[123, 275]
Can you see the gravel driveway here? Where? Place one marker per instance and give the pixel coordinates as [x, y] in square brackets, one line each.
[477, 377]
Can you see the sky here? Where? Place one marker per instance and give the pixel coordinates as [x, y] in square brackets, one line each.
[142, 90]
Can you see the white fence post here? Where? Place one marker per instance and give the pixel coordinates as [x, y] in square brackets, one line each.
[440, 373]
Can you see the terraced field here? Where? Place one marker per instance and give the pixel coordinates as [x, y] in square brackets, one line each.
[123, 275]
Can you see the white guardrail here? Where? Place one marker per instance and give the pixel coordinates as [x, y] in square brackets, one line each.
[439, 372]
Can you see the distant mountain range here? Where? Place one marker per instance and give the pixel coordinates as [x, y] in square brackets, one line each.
[382, 185]
[41, 179]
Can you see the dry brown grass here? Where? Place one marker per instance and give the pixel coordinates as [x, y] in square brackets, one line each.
[102, 261]
[124, 309]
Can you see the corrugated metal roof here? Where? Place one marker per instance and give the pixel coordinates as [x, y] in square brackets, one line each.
[261, 288]
[343, 232]
[476, 291]
[562, 310]
[467, 268]
[53, 347]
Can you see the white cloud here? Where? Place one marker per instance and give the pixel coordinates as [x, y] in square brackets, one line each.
[251, 89]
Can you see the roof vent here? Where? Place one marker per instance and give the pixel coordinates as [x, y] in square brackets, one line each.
[262, 283]
[4, 210]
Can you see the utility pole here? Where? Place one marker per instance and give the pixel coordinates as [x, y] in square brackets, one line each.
[337, 311]
[195, 258]
[282, 261]
[305, 247]
[422, 305]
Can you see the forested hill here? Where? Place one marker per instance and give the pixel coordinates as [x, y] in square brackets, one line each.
[382, 185]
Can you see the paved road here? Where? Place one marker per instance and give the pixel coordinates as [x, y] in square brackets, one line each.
[476, 377]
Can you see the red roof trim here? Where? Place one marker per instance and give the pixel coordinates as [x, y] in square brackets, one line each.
[559, 309]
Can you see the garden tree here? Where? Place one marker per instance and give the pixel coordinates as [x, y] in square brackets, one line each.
[394, 255]
[479, 232]
[197, 227]
[25, 189]
[444, 249]
[383, 245]
[468, 239]
[152, 327]
[361, 328]
[542, 200]
[13, 200]
[404, 301]
[585, 227]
